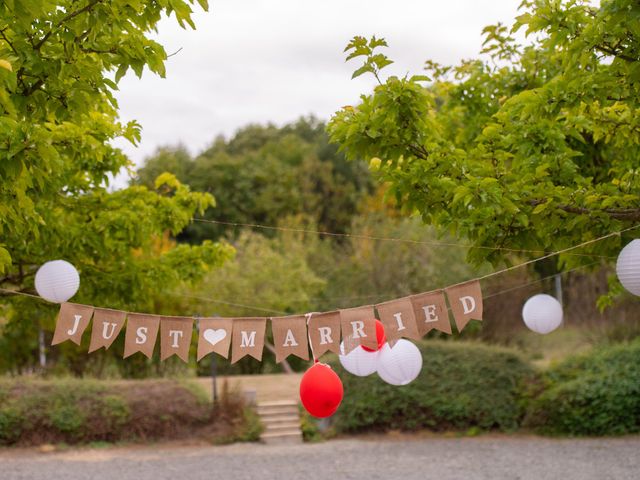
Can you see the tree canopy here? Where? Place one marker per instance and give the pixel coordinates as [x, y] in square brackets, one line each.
[531, 147]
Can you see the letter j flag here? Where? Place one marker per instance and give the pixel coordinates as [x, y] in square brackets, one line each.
[466, 302]
[73, 320]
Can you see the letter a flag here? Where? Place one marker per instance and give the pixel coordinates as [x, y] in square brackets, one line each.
[466, 302]
[141, 334]
[290, 337]
[175, 337]
[398, 319]
[106, 327]
[358, 328]
[324, 333]
[248, 338]
[73, 320]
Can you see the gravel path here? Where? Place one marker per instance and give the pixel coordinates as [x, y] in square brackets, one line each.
[406, 458]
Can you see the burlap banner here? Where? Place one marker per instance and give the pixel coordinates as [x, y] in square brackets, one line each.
[358, 328]
[106, 327]
[248, 338]
[410, 317]
[290, 337]
[73, 320]
[214, 336]
[175, 337]
[398, 319]
[466, 302]
[324, 332]
[431, 312]
[141, 334]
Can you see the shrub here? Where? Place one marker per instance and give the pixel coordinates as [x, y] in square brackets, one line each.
[34, 412]
[462, 386]
[593, 394]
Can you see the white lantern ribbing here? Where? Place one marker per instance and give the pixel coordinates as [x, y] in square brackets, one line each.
[401, 364]
[359, 361]
[628, 267]
[542, 313]
[57, 281]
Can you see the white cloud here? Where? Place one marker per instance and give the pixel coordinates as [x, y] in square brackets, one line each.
[259, 61]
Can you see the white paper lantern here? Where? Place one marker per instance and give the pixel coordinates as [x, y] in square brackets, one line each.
[628, 267]
[542, 313]
[358, 361]
[401, 364]
[57, 281]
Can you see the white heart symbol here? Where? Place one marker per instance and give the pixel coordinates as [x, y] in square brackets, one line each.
[214, 336]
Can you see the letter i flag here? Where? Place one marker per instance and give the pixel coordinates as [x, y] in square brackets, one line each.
[466, 302]
[324, 332]
[358, 328]
[106, 327]
[141, 334]
[248, 338]
[73, 320]
[290, 337]
[175, 337]
[398, 319]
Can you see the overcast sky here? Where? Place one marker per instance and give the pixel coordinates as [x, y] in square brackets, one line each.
[264, 61]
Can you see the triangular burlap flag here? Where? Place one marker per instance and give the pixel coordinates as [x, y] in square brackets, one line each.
[431, 312]
[214, 336]
[248, 338]
[466, 302]
[73, 320]
[175, 337]
[398, 319]
[324, 332]
[358, 328]
[141, 334]
[106, 327]
[290, 337]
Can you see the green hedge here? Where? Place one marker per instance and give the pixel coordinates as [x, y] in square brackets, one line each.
[462, 386]
[593, 394]
[36, 412]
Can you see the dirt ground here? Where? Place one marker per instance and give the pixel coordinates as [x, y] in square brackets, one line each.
[401, 457]
[268, 388]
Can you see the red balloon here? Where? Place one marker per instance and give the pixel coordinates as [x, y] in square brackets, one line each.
[321, 390]
[380, 336]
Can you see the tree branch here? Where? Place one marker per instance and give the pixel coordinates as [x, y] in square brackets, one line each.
[64, 19]
[630, 214]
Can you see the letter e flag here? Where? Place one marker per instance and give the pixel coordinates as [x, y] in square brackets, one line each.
[466, 302]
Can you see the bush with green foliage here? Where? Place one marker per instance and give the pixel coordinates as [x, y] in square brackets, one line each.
[461, 386]
[36, 412]
[593, 394]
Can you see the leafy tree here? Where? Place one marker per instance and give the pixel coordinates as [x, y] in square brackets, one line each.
[266, 174]
[60, 63]
[535, 147]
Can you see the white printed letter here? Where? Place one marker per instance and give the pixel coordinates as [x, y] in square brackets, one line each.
[289, 340]
[247, 340]
[141, 335]
[76, 322]
[430, 314]
[105, 327]
[175, 334]
[468, 304]
[325, 335]
[358, 329]
[398, 317]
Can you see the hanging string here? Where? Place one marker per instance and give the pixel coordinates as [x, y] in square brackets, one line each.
[308, 317]
[380, 238]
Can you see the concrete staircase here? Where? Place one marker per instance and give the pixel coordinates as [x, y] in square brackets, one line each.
[281, 420]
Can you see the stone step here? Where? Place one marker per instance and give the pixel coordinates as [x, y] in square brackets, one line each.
[277, 409]
[282, 427]
[280, 418]
[288, 437]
